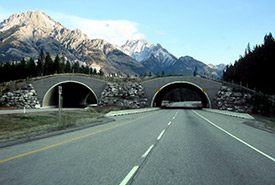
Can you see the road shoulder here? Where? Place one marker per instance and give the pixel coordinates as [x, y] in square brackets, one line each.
[229, 113]
[47, 133]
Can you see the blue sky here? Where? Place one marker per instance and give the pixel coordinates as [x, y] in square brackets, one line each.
[212, 31]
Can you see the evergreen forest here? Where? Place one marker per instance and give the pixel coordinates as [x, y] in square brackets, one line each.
[256, 69]
[44, 65]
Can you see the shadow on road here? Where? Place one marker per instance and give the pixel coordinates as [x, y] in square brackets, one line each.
[196, 108]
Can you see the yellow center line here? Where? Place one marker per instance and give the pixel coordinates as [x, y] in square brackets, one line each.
[77, 138]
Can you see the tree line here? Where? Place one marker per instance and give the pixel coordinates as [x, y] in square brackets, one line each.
[44, 66]
[181, 94]
[256, 68]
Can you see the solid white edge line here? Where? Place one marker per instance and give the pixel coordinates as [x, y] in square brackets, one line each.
[148, 151]
[160, 135]
[169, 123]
[245, 143]
[129, 176]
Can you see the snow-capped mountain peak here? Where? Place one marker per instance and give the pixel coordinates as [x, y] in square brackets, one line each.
[212, 66]
[32, 18]
[142, 50]
[137, 45]
[219, 67]
[137, 49]
[154, 57]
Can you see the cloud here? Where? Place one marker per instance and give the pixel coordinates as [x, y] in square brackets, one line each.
[114, 31]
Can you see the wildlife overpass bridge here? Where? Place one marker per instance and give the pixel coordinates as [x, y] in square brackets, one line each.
[80, 91]
[77, 91]
[157, 88]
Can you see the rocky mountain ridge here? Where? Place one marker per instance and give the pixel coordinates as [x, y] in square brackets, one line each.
[26, 34]
[157, 59]
[154, 58]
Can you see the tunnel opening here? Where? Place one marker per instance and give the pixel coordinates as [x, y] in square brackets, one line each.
[181, 95]
[74, 95]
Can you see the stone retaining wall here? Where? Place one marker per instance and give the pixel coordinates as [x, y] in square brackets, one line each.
[25, 97]
[127, 94]
[227, 99]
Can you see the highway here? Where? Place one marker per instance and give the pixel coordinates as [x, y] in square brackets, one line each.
[174, 146]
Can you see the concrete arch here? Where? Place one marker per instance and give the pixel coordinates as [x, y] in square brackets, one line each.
[208, 87]
[45, 86]
[185, 84]
[51, 91]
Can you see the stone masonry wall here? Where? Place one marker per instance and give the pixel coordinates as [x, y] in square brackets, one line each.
[126, 94]
[227, 99]
[25, 97]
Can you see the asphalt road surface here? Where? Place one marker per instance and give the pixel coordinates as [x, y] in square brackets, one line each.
[160, 147]
[186, 104]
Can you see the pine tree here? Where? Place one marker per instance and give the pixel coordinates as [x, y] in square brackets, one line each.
[247, 50]
[22, 69]
[56, 64]
[62, 64]
[268, 38]
[48, 67]
[76, 67]
[101, 73]
[255, 68]
[32, 68]
[40, 63]
[195, 71]
[68, 68]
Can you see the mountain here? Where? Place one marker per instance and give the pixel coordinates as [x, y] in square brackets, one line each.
[154, 58]
[26, 34]
[187, 65]
[221, 67]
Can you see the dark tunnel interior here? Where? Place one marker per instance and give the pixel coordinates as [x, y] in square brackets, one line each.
[193, 93]
[74, 95]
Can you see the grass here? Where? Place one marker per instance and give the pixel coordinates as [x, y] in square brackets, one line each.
[17, 126]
